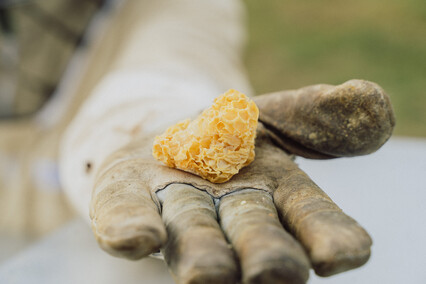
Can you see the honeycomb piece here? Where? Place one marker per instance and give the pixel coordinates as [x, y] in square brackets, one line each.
[217, 144]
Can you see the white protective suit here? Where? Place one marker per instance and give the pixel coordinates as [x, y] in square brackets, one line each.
[170, 60]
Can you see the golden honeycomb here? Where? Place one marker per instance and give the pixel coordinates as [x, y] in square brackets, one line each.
[215, 145]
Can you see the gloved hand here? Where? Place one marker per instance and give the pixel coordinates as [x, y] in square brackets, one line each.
[278, 222]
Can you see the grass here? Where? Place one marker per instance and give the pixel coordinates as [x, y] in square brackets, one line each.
[298, 43]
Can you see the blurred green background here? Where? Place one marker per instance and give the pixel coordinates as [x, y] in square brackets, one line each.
[298, 43]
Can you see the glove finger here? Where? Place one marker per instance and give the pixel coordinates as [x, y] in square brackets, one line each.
[197, 251]
[125, 220]
[334, 241]
[267, 253]
[325, 121]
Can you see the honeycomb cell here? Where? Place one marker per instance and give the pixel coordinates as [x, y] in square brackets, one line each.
[215, 145]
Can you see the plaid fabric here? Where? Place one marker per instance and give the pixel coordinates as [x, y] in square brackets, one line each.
[45, 34]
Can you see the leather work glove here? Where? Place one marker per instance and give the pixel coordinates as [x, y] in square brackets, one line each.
[270, 223]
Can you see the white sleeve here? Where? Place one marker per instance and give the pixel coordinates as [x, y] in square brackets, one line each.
[153, 85]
